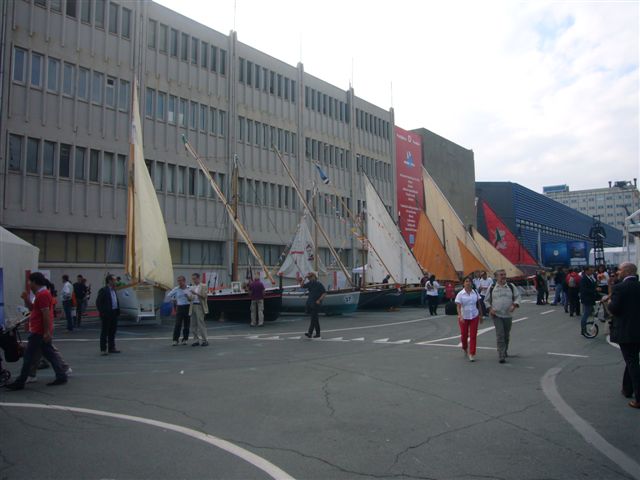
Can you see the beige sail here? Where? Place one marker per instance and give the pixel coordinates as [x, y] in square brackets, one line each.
[147, 256]
[451, 230]
[496, 260]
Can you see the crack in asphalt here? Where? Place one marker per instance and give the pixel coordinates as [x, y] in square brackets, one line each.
[327, 395]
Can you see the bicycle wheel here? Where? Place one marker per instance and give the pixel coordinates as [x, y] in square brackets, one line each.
[591, 330]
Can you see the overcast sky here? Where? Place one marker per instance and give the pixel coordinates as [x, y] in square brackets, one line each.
[543, 92]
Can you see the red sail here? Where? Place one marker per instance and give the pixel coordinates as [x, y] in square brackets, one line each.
[503, 240]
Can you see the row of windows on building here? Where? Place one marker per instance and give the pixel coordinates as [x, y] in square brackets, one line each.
[184, 113]
[174, 43]
[97, 13]
[62, 160]
[263, 135]
[326, 105]
[55, 76]
[253, 75]
[372, 124]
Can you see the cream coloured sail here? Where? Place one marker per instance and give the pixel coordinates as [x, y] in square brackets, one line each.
[459, 245]
[148, 258]
[300, 258]
[391, 253]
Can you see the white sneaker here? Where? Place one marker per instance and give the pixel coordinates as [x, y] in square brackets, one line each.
[31, 380]
[472, 358]
[175, 343]
[69, 371]
[184, 342]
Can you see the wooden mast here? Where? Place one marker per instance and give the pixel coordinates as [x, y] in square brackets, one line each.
[234, 199]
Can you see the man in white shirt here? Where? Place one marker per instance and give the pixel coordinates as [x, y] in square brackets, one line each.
[182, 297]
[501, 300]
[484, 284]
[198, 310]
[67, 300]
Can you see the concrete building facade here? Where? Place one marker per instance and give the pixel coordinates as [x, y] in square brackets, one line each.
[68, 73]
[452, 168]
[613, 203]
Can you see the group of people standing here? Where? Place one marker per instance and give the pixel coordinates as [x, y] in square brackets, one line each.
[75, 299]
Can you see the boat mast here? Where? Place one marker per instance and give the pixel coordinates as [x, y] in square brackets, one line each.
[234, 199]
[130, 244]
[365, 242]
[314, 202]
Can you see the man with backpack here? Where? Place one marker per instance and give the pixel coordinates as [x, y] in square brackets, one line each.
[501, 301]
[573, 292]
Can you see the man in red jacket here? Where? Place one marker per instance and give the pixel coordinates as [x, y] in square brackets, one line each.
[573, 292]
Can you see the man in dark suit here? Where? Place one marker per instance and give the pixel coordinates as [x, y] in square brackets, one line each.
[625, 328]
[109, 309]
[588, 296]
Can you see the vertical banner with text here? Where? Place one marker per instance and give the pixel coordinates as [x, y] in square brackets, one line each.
[409, 182]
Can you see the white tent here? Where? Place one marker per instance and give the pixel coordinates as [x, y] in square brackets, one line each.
[16, 257]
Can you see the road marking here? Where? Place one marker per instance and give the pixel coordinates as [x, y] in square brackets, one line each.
[381, 340]
[613, 344]
[589, 433]
[547, 312]
[249, 457]
[450, 345]
[401, 342]
[359, 339]
[294, 338]
[568, 355]
[480, 332]
[336, 339]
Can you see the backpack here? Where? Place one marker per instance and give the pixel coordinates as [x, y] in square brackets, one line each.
[572, 282]
[511, 287]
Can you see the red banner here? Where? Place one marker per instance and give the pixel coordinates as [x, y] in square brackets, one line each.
[409, 182]
[503, 240]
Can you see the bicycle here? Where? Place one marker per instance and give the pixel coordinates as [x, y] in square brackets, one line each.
[600, 315]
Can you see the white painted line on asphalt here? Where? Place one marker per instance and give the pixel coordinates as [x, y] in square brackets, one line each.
[294, 338]
[381, 340]
[401, 342]
[568, 355]
[547, 312]
[589, 433]
[452, 346]
[249, 457]
[336, 339]
[613, 344]
[359, 339]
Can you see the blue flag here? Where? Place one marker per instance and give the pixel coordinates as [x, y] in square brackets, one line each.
[323, 176]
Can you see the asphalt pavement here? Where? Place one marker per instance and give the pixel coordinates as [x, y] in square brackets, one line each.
[381, 395]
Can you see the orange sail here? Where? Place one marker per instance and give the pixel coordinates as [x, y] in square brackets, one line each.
[469, 260]
[430, 253]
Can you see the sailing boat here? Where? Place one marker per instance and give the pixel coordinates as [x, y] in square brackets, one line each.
[148, 263]
[302, 259]
[430, 252]
[235, 302]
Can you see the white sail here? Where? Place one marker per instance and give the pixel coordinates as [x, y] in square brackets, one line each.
[148, 254]
[300, 259]
[393, 254]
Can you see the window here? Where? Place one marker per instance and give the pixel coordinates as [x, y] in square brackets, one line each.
[19, 65]
[182, 116]
[213, 116]
[96, 88]
[272, 82]
[174, 43]
[159, 176]
[194, 50]
[193, 115]
[68, 79]
[171, 178]
[171, 109]
[83, 84]
[48, 158]
[64, 162]
[81, 154]
[36, 70]
[204, 54]
[33, 147]
[151, 34]
[114, 10]
[15, 152]
[286, 88]
[163, 38]
[71, 8]
[126, 23]
[223, 62]
[241, 70]
[241, 128]
[192, 181]
[123, 96]
[94, 165]
[257, 76]
[85, 14]
[53, 74]
[99, 13]
[181, 179]
[56, 5]
[203, 118]
[160, 106]
[184, 47]
[265, 79]
[110, 92]
[249, 73]
[107, 168]
[149, 101]
[249, 131]
[221, 122]
[214, 58]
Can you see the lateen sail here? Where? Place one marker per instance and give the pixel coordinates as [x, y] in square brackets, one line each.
[497, 260]
[148, 258]
[389, 244]
[430, 252]
[300, 259]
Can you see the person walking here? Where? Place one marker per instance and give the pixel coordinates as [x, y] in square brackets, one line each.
[67, 301]
[624, 305]
[573, 292]
[588, 296]
[423, 282]
[316, 292]
[198, 310]
[467, 303]
[80, 292]
[40, 334]
[484, 284]
[558, 280]
[182, 297]
[431, 288]
[541, 287]
[256, 292]
[109, 310]
[502, 300]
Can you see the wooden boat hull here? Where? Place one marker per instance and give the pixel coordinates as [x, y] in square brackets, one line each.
[335, 303]
[237, 306]
[381, 299]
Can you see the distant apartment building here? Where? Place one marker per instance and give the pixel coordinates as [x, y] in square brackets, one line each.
[613, 204]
